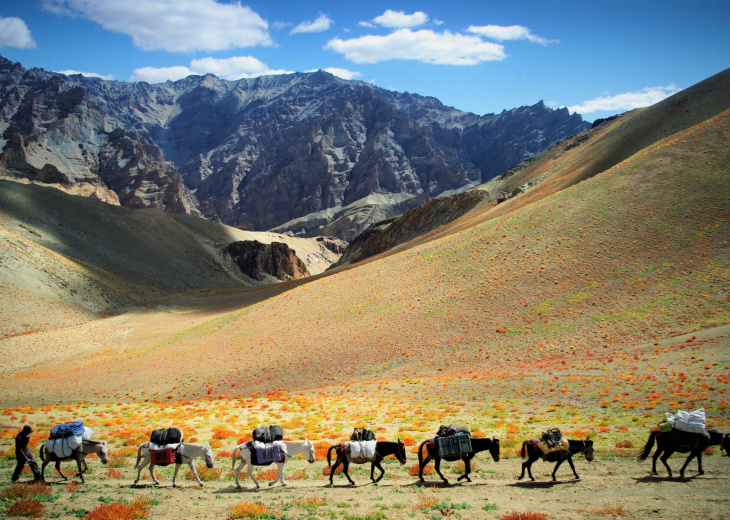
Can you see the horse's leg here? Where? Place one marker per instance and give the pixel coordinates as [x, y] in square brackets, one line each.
[139, 470]
[555, 470]
[437, 467]
[58, 468]
[529, 463]
[423, 465]
[654, 459]
[467, 469]
[279, 475]
[192, 468]
[249, 470]
[664, 458]
[692, 455]
[699, 463]
[332, 470]
[374, 465]
[345, 470]
[81, 473]
[570, 461]
[238, 472]
[152, 474]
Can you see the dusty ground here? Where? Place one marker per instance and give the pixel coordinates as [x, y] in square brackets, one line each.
[607, 486]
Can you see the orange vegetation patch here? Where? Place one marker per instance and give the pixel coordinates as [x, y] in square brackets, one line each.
[138, 510]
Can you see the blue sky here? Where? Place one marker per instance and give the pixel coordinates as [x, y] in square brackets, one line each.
[597, 57]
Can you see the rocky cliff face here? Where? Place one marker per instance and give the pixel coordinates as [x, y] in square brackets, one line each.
[261, 261]
[308, 154]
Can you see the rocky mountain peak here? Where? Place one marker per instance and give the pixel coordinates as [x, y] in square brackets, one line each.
[306, 153]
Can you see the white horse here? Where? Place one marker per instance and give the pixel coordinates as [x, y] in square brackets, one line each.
[188, 453]
[291, 449]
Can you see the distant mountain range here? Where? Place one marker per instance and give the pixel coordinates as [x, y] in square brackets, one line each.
[307, 154]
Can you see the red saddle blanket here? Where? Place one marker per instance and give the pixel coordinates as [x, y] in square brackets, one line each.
[165, 456]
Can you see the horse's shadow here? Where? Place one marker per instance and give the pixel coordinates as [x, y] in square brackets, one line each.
[541, 483]
[667, 478]
[348, 485]
[436, 484]
[243, 489]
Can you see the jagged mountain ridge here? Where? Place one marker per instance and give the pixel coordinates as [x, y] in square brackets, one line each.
[306, 153]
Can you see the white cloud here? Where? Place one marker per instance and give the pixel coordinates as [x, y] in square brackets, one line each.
[366, 24]
[399, 19]
[321, 24]
[234, 68]
[173, 25]
[14, 33]
[436, 21]
[71, 72]
[627, 101]
[425, 45]
[511, 32]
[340, 73]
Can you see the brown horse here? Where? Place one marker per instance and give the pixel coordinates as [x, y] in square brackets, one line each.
[79, 455]
[477, 443]
[682, 442]
[382, 450]
[534, 453]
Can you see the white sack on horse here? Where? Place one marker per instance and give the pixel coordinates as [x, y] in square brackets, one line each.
[88, 433]
[689, 421]
[156, 447]
[362, 449]
[64, 447]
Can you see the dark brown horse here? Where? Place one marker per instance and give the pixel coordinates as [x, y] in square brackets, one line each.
[382, 450]
[477, 443]
[534, 453]
[79, 455]
[682, 442]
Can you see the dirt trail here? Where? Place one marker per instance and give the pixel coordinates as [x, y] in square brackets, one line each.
[604, 484]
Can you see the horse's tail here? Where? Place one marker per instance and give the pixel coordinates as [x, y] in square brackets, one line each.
[649, 445]
[43, 451]
[139, 454]
[420, 453]
[329, 456]
[523, 450]
[233, 456]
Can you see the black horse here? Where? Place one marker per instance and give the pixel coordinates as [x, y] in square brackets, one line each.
[534, 453]
[682, 442]
[382, 450]
[477, 444]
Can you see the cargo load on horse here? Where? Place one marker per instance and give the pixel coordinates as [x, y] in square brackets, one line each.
[267, 445]
[66, 438]
[164, 446]
[551, 441]
[446, 430]
[452, 440]
[361, 447]
[694, 422]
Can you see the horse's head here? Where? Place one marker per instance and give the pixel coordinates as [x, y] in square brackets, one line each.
[103, 452]
[310, 450]
[400, 453]
[208, 455]
[494, 449]
[588, 450]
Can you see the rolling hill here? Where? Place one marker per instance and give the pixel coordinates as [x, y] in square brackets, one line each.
[623, 242]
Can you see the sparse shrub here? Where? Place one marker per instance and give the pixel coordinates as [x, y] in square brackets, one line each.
[426, 501]
[25, 491]
[461, 466]
[138, 510]
[610, 510]
[26, 508]
[205, 473]
[312, 502]
[298, 475]
[114, 473]
[626, 443]
[118, 461]
[326, 471]
[267, 474]
[489, 506]
[427, 470]
[248, 510]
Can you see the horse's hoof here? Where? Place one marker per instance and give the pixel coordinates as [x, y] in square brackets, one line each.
[701, 473]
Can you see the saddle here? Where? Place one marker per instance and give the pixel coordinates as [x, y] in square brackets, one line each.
[265, 454]
[166, 456]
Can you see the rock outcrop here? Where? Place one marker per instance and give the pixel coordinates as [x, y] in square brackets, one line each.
[261, 261]
[306, 153]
